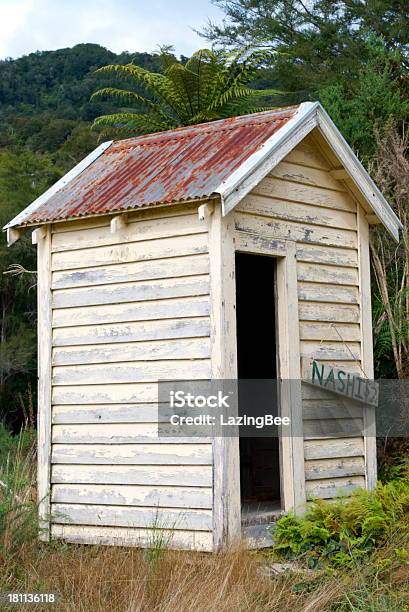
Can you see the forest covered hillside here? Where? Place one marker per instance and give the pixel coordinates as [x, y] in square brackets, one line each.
[45, 96]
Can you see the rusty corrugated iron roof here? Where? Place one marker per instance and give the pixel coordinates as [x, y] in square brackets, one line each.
[183, 164]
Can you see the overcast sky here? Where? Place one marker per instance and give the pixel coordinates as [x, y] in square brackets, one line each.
[120, 25]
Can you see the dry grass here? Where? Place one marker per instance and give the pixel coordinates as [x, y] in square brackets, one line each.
[101, 578]
[123, 579]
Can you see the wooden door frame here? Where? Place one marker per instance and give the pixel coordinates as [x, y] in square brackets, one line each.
[224, 242]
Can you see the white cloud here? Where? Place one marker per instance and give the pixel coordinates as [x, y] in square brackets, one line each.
[133, 25]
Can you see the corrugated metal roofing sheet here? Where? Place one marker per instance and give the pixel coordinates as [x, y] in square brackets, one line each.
[183, 164]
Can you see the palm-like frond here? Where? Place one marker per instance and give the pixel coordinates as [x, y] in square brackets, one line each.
[126, 96]
[209, 86]
[157, 84]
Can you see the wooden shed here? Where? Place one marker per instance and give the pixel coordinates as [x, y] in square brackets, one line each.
[139, 247]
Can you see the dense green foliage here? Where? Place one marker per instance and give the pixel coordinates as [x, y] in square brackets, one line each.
[208, 86]
[45, 96]
[343, 532]
[318, 42]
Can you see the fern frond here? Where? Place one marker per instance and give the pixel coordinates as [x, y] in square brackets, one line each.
[158, 84]
[124, 95]
[184, 87]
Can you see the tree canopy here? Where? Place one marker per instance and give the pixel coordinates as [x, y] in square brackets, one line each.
[318, 41]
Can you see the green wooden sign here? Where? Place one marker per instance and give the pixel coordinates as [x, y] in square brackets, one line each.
[340, 381]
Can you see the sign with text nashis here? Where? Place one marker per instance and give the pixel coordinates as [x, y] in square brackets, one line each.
[340, 381]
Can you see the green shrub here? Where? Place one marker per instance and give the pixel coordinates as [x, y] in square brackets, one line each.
[340, 532]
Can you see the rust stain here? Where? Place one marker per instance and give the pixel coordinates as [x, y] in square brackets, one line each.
[183, 164]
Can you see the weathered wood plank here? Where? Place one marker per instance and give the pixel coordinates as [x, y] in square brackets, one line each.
[319, 292]
[122, 413]
[295, 192]
[131, 292]
[333, 428]
[103, 433]
[130, 252]
[269, 206]
[331, 409]
[334, 468]
[335, 256]
[333, 448]
[329, 488]
[174, 308]
[306, 153]
[252, 243]
[290, 171]
[329, 331]
[128, 372]
[187, 348]
[124, 495]
[133, 454]
[136, 393]
[134, 231]
[122, 516]
[190, 265]
[353, 366]
[327, 274]
[312, 392]
[120, 536]
[167, 475]
[198, 327]
[291, 230]
[333, 351]
[333, 313]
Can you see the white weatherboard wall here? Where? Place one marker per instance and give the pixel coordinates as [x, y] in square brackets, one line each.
[128, 309]
[301, 201]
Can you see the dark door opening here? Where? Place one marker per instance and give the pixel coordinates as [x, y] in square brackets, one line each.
[256, 359]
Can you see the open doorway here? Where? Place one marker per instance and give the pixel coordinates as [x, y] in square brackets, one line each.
[257, 360]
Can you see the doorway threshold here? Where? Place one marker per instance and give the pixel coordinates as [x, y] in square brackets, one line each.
[258, 520]
[259, 512]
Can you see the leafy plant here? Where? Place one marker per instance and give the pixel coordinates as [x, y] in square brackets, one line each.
[208, 86]
[342, 532]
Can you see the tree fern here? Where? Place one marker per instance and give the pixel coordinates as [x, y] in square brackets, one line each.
[208, 86]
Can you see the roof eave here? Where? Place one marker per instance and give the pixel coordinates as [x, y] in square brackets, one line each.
[62, 182]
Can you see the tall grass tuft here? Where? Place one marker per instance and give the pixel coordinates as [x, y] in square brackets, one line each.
[18, 507]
